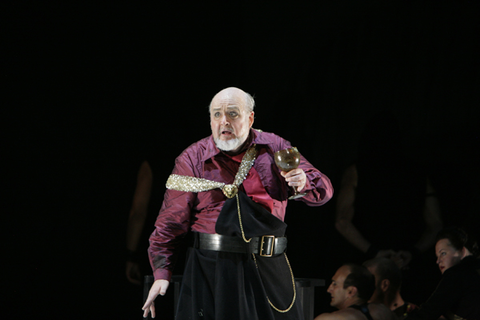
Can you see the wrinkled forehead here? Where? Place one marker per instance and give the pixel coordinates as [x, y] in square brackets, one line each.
[229, 100]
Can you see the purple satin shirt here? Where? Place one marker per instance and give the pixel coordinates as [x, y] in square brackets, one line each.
[182, 212]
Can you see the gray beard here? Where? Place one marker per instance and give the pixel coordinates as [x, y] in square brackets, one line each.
[228, 145]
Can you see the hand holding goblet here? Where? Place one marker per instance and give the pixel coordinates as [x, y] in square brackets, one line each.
[287, 160]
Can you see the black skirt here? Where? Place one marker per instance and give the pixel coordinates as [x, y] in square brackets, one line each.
[235, 286]
[239, 286]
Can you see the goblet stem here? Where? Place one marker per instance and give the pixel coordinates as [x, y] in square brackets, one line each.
[296, 194]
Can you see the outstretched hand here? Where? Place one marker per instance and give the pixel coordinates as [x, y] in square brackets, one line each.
[159, 287]
[401, 258]
[389, 254]
[133, 273]
[295, 178]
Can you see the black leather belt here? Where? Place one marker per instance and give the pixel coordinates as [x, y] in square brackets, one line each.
[265, 246]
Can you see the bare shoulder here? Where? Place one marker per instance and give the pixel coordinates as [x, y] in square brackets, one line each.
[345, 314]
[380, 312]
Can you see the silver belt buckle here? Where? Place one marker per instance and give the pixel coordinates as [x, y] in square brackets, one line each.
[267, 244]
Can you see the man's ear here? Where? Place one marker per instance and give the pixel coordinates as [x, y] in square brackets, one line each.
[385, 284]
[251, 118]
[352, 291]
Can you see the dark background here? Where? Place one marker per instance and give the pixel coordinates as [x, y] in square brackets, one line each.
[88, 88]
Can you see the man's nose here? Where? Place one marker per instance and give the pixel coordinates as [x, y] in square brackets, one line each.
[224, 119]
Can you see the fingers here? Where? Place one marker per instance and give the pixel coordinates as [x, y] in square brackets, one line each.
[147, 310]
[295, 178]
[159, 287]
[149, 305]
[385, 254]
[150, 309]
[403, 258]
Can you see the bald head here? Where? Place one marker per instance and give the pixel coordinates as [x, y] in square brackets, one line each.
[236, 94]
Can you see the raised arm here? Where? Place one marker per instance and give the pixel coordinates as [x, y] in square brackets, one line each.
[306, 177]
[433, 219]
[433, 224]
[345, 210]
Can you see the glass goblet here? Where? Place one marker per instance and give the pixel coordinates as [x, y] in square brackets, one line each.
[287, 160]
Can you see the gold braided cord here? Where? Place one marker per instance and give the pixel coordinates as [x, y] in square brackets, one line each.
[293, 283]
[240, 221]
[288, 263]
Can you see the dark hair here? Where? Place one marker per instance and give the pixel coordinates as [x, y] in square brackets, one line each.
[459, 239]
[386, 269]
[361, 279]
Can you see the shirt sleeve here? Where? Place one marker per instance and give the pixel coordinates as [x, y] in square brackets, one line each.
[318, 187]
[172, 224]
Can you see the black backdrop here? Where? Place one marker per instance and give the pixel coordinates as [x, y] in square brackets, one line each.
[89, 87]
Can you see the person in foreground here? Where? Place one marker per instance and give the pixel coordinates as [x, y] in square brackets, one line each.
[227, 190]
[351, 288]
[388, 281]
[457, 296]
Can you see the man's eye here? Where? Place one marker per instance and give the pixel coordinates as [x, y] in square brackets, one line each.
[233, 114]
[216, 114]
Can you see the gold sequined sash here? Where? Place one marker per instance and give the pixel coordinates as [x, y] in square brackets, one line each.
[193, 184]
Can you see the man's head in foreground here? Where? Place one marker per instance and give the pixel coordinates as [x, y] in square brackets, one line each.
[351, 284]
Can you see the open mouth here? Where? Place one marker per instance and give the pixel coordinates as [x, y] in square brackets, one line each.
[226, 132]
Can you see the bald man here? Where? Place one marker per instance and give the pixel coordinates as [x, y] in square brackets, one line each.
[227, 190]
[352, 286]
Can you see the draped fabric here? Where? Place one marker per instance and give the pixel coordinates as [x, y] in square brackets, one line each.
[224, 285]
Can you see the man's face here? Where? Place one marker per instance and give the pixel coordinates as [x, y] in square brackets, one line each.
[336, 290]
[229, 120]
[447, 255]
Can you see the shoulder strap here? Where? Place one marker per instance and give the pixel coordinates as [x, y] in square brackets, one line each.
[364, 309]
